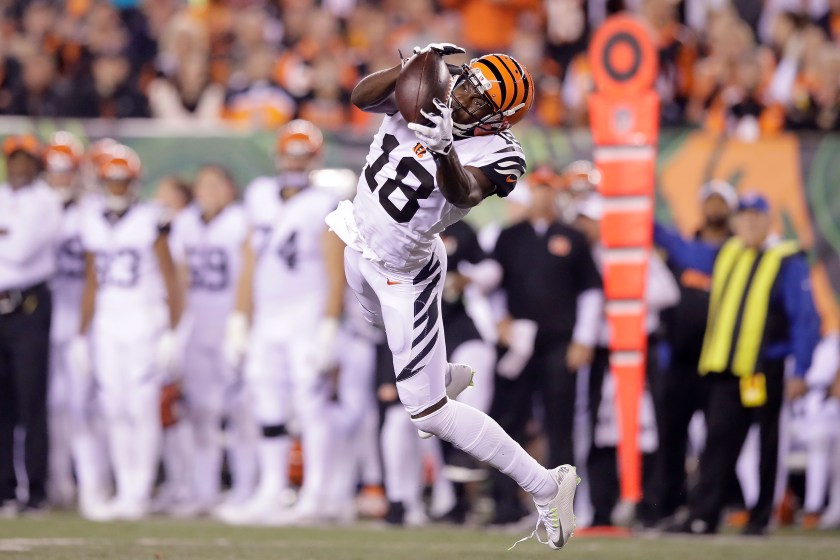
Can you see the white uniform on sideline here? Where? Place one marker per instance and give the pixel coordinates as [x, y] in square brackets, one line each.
[212, 252]
[290, 286]
[129, 318]
[75, 423]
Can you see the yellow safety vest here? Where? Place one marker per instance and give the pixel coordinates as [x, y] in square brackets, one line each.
[741, 285]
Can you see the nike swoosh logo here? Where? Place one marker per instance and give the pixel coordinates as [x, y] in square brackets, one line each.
[510, 179]
[392, 283]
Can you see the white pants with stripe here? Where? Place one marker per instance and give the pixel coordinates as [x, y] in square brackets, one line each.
[408, 307]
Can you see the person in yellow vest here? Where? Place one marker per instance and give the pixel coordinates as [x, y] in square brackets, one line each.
[761, 311]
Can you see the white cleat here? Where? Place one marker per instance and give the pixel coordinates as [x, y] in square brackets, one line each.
[459, 378]
[557, 517]
[262, 509]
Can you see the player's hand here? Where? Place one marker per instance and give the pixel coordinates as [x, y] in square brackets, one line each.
[78, 356]
[795, 388]
[325, 355]
[166, 353]
[236, 340]
[437, 138]
[578, 356]
[443, 49]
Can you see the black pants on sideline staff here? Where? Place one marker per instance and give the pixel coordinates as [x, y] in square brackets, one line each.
[728, 422]
[24, 354]
[601, 465]
[681, 395]
[546, 377]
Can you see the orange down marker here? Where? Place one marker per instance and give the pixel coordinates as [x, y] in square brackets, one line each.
[624, 118]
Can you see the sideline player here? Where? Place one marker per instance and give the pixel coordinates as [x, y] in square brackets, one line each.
[206, 242]
[292, 287]
[418, 180]
[75, 432]
[130, 285]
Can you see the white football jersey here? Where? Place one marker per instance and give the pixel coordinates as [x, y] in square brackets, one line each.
[130, 295]
[262, 204]
[290, 278]
[68, 282]
[398, 208]
[212, 253]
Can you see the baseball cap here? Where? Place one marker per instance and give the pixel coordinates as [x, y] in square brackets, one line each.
[722, 189]
[755, 202]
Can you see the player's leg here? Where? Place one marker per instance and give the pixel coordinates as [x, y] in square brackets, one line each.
[143, 410]
[311, 394]
[269, 389]
[411, 313]
[87, 442]
[203, 386]
[818, 468]
[61, 486]
[242, 440]
[831, 515]
[403, 467]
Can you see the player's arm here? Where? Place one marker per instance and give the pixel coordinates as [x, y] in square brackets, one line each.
[462, 186]
[245, 285]
[375, 93]
[88, 293]
[334, 261]
[166, 264]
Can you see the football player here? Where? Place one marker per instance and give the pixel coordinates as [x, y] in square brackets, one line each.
[418, 180]
[290, 299]
[206, 243]
[131, 306]
[74, 431]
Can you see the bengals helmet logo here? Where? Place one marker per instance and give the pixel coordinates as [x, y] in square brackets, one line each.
[420, 150]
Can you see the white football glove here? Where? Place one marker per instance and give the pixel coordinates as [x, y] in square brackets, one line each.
[443, 49]
[166, 353]
[325, 355]
[437, 138]
[78, 356]
[236, 340]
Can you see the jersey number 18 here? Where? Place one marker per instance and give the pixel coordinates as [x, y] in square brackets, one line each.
[406, 165]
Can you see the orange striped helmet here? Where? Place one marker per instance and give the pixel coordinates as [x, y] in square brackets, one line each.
[27, 143]
[99, 150]
[64, 152]
[299, 138]
[120, 163]
[505, 84]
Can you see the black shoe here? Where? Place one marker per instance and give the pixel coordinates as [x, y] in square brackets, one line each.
[35, 508]
[752, 530]
[396, 514]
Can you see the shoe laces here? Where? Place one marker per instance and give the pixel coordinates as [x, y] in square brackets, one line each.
[547, 518]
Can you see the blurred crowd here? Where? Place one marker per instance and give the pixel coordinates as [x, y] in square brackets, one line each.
[740, 66]
[184, 374]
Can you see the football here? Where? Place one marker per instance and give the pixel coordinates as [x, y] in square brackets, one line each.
[424, 78]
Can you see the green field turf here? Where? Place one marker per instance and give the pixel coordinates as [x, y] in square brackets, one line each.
[68, 537]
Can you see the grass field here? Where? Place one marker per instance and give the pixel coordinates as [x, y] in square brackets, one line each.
[68, 537]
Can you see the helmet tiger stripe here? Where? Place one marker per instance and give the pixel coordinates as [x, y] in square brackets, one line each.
[507, 85]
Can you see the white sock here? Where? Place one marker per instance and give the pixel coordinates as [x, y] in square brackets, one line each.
[146, 443]
[273, 456]
[479, 435]
[243, 438]
[60, 457]
[443, 492]
[401, 457]
[90, 460]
